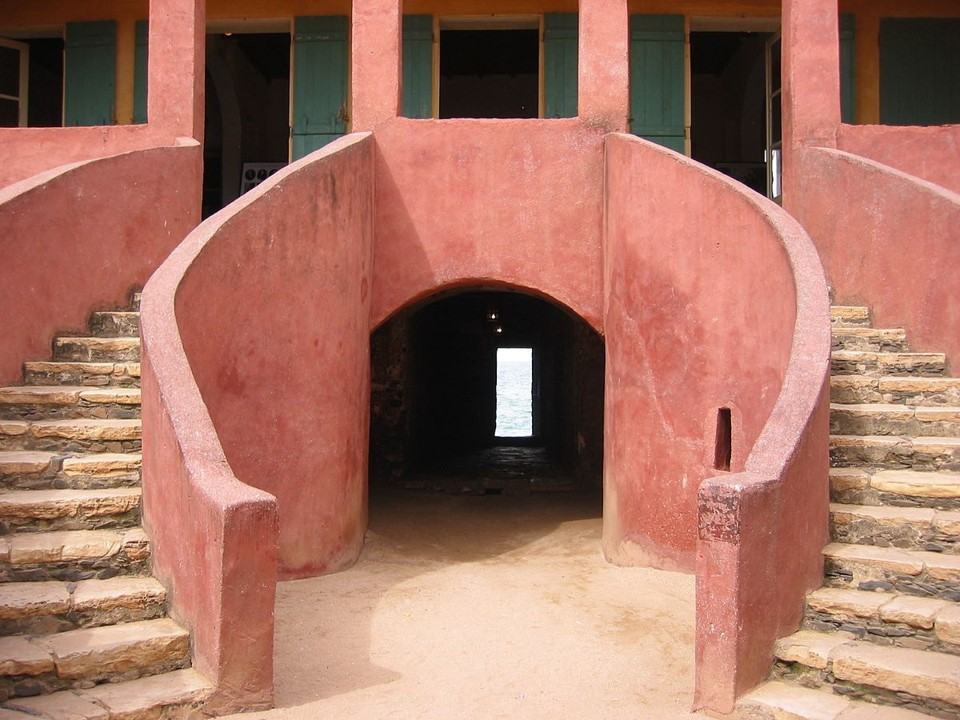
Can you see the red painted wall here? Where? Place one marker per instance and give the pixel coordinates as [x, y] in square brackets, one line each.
[515, 202]
[929, 153]
[82, 236]
[714, 298]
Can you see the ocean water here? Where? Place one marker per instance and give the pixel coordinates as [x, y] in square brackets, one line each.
[514, 381]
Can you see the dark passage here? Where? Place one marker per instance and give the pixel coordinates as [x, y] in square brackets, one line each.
[433, 404]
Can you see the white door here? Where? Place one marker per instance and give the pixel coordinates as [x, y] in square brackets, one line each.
[14, 61]
[774, 154]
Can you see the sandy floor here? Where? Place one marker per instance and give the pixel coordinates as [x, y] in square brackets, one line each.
[494, 606]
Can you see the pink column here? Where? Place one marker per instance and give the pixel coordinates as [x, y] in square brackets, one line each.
[176, 67]
[604, 72]
[811, 73]
[375, 63]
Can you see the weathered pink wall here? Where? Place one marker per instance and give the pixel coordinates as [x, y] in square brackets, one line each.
[83, 236]
[929, 153]
[512, 202]
[714, 299]
[887, 240]
[375, 58]
[603, 82]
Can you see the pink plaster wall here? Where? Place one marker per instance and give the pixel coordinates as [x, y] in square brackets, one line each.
[887, 240]
[929, 153]
[515, 202]
[375, 63]
[714, 298]
[603, 86]
[82, 236]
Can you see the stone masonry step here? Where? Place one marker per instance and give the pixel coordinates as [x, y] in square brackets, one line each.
[38, 608]
[127, 651]
[890, 569]
[917, 680]
[82, 373]
[36, 402]
[868, 338]
[865, 362]
[777, 700]
[849, 316]
[71, 435]
[47, 510]
[73, 555]
[176, 694]
[115, 323]
[895, 452]
[36, 469]
[97, 349]
[888, 419]
[927, 391]
[910, 528]
[886, 618]
[897, 488]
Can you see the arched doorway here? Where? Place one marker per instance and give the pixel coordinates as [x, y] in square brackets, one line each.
[434, 380]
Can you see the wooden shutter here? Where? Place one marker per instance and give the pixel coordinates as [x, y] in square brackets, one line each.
[848, 102]
[140, 73]
[656, 79]
[560, 64]
[417, 66]
[919, 71]
[90, 73]
[319, 82]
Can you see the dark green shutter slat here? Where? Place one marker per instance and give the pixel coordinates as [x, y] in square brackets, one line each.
[319, 81]
[656, 79]
[919, 71]
[140, 73]
[418, 66]
[848, 101]
[560, 32]
[90, 73]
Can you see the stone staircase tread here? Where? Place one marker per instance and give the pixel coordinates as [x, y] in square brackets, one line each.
[917, 482]
[775, 700]
[62, 705]
[101, 463]
[141, 698]
[74, 429]
[891, 355]
[29, 599]
[24, 461]
[67, 545]
[921, 673]
[894, 514]
[49, 504]
[918, 612]
[903, 561]
[851, 314]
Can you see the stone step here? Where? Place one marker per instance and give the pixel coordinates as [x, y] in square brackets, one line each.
[868, 338]
[71, 435]
[96, 349]
[176, 694]
[917, 680]
[36, 402]
[94, 374]
[115, 323]
[887, 619]
[48, 510]
[866, 362]
[41, 608]
[35, 470]
[896, 488]
[849, 316]
[776, 700]
[927, 391]
[73, 555]
[909, 528]
[114, 653]
[886, 419]
[890, 569]
[895, 452]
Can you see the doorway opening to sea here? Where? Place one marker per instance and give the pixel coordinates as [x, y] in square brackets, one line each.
[486, 390]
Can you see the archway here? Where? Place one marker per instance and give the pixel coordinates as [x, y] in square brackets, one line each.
[434, 396]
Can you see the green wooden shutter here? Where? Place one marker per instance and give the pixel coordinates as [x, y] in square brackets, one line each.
[848, 98]
[656, 79]
[919, 71]
[140, 73]
[560, 64]
[418, 66]
[319, 82]
[90, 73]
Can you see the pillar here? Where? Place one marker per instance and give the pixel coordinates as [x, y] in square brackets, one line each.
[375, 70]
[604, 65]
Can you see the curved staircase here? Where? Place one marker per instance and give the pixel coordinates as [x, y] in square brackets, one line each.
[881, 638]
[83, 626]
